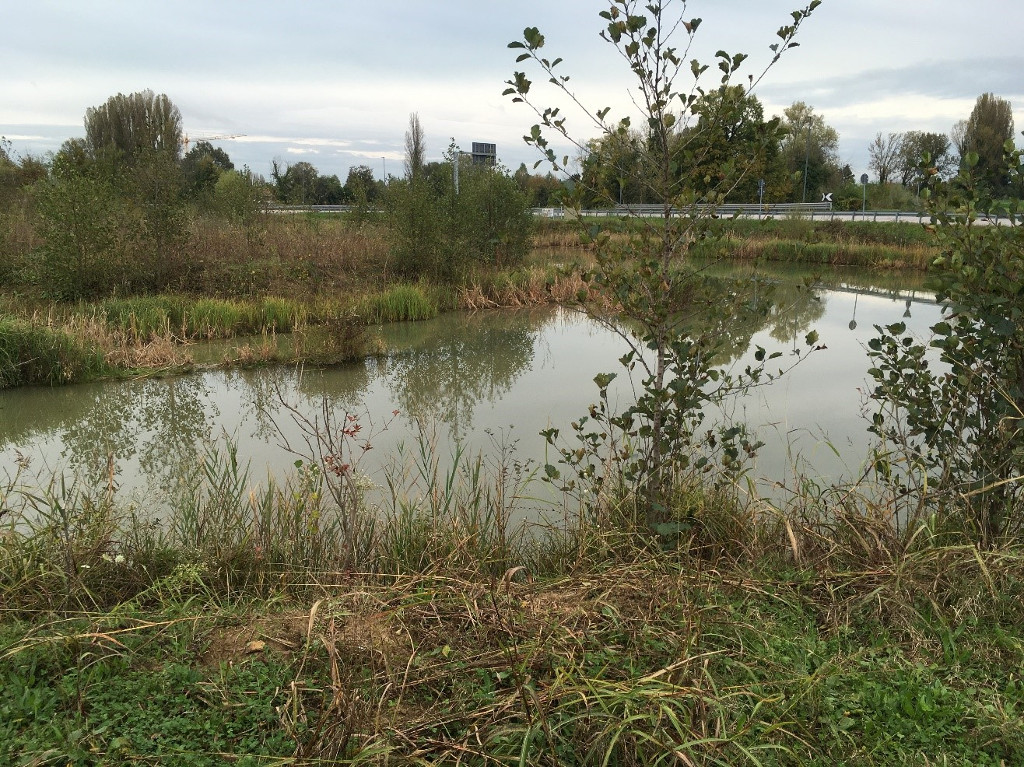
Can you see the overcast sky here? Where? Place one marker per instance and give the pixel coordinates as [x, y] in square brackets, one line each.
[333, 83]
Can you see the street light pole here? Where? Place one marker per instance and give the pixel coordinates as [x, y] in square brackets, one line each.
[807, 155]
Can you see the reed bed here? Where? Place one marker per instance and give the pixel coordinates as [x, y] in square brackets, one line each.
[529, 286]
[34, 352]
[915, 257]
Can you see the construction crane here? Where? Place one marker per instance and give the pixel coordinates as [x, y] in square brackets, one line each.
[186, 139]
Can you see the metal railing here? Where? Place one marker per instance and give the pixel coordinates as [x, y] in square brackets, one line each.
[813, 211]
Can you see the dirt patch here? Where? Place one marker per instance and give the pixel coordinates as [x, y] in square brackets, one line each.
[281, 633]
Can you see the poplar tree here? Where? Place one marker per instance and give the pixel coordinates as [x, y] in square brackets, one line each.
[988, 129]
[415, 148]
[134, 124]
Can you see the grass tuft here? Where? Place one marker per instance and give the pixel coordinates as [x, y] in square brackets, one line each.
[402, 303]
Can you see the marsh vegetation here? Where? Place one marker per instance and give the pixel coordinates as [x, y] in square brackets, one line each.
[659, 613]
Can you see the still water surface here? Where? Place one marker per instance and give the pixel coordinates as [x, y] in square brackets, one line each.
[477, 378]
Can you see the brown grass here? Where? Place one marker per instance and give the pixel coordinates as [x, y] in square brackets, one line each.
[287, 255]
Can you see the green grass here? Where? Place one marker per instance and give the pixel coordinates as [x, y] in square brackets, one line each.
[284, 624]
[634, 664]
[33, 353]
[142, 317]
[399, 304]
[89, 701]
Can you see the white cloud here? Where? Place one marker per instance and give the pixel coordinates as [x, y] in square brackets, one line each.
[340, 79]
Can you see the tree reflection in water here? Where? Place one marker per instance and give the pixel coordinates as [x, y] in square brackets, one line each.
[470, 359]
[460, 373]
[156, 423]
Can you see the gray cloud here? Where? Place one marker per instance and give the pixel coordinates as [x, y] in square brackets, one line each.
[340, 79]
[957, 79]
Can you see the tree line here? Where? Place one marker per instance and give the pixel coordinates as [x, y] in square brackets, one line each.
[792, 158]
[986, 135]
[110, 210]
[115, 212]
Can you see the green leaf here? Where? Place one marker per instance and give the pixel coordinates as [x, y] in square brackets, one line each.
[534, 39]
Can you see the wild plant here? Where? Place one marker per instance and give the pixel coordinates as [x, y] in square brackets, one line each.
[647, 290]
[464, 512]
[951, 408]
[332, 449]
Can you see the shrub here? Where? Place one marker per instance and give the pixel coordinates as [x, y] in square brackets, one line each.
[956, 423]
[443, 233]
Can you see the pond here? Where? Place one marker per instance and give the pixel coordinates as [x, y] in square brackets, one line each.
[483, 380]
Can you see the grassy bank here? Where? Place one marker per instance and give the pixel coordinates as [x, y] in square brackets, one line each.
[866, 245]
[36, 353]
[284, 625]
[324, 277]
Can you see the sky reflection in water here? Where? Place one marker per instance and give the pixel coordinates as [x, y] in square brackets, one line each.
[481, 378]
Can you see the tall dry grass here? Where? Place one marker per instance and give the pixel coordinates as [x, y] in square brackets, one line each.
[287, 255]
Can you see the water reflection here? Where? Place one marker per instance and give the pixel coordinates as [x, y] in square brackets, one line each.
[460, 361]
[795, 310]
[468, 373]
[154, 424]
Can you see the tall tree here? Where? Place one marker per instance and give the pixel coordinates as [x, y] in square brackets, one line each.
[916, 144]
[614, 171]
[202, 166]
[732, 147]
[649, 291]
[988, 128]
[415, 147]
[360, 185]
[302, 184]
[134, 124]
[958, 135]
[810, 150]
[884, 154]
[541, 191]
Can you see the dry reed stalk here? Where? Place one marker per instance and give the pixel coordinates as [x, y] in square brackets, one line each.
[158, 352]
[254, 354]
[121, 349]
[567, 287]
